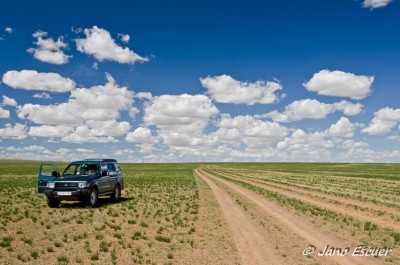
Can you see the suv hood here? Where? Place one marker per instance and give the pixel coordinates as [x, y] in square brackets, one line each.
[74, 178]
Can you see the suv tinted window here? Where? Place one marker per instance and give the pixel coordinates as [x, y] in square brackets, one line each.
[110, 168]
[82, 169]
[46, 170]
[72, 169]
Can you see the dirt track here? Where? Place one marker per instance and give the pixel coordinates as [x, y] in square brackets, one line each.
[252, 246]
[249, 241]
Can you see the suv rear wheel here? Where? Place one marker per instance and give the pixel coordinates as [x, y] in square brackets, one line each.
[92, 198]
[116, 195]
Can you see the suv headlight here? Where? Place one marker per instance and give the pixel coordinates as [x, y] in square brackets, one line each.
[50, 185]
[82, 185]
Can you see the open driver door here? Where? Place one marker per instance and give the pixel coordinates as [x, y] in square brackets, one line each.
[47, 172]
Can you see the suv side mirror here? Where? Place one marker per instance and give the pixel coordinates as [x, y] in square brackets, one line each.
[104, 173]
[55, 174]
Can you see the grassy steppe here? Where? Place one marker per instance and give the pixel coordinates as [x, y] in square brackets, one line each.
[169, 216]
[153, 224]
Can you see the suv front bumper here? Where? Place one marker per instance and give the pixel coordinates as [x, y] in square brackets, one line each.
[67, 195]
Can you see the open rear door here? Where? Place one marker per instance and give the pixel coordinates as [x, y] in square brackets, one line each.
[47, 172]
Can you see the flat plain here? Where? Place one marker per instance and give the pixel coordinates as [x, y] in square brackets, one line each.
[209, 213]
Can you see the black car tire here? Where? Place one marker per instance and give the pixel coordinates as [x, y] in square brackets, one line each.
[52, 203]
[92, 198]
[116, 195]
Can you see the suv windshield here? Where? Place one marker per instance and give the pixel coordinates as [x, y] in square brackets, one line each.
[81, 169]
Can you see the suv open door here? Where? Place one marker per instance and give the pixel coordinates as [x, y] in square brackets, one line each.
[47, 172]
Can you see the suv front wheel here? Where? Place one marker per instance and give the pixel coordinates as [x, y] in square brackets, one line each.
[92, 198]
[52, 203]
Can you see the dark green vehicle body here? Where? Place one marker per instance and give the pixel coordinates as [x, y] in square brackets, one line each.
[83, 180]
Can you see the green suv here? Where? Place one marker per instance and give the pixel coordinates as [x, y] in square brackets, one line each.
[83, 180]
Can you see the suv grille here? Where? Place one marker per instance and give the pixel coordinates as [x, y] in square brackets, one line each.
[66, 185]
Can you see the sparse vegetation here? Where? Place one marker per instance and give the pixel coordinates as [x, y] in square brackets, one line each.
[6, 241]
[163, 239]
[95, 256]
[155, 196]
[62, 259]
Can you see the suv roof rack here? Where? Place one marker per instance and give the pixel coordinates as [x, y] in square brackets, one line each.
[100, 160]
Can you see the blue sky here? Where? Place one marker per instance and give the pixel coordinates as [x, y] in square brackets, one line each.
[150, 81]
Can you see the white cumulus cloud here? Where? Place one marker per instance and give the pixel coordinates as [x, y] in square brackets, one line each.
[375, 3]
[108, 128]
[340, 84]
[383, 122]
[43, 95]
[49, 51]
[100, 103]
[144, 138]
[123, 152]
[9, 101]
[4, 113]
[180, 112]
[342, 128]
[180, 119]
[226, 89]
[348, 108]
[102, 46]
[141, 135]
[253, 132]
[83, 135]
[302, 146]
[31, 148]
[50, 131]
[84, 150]
[311, 109]
[144, 95]
[351, 144]
[32, 80]
[9, 30]
[18, 131]
[124, 37]
[89, 115]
